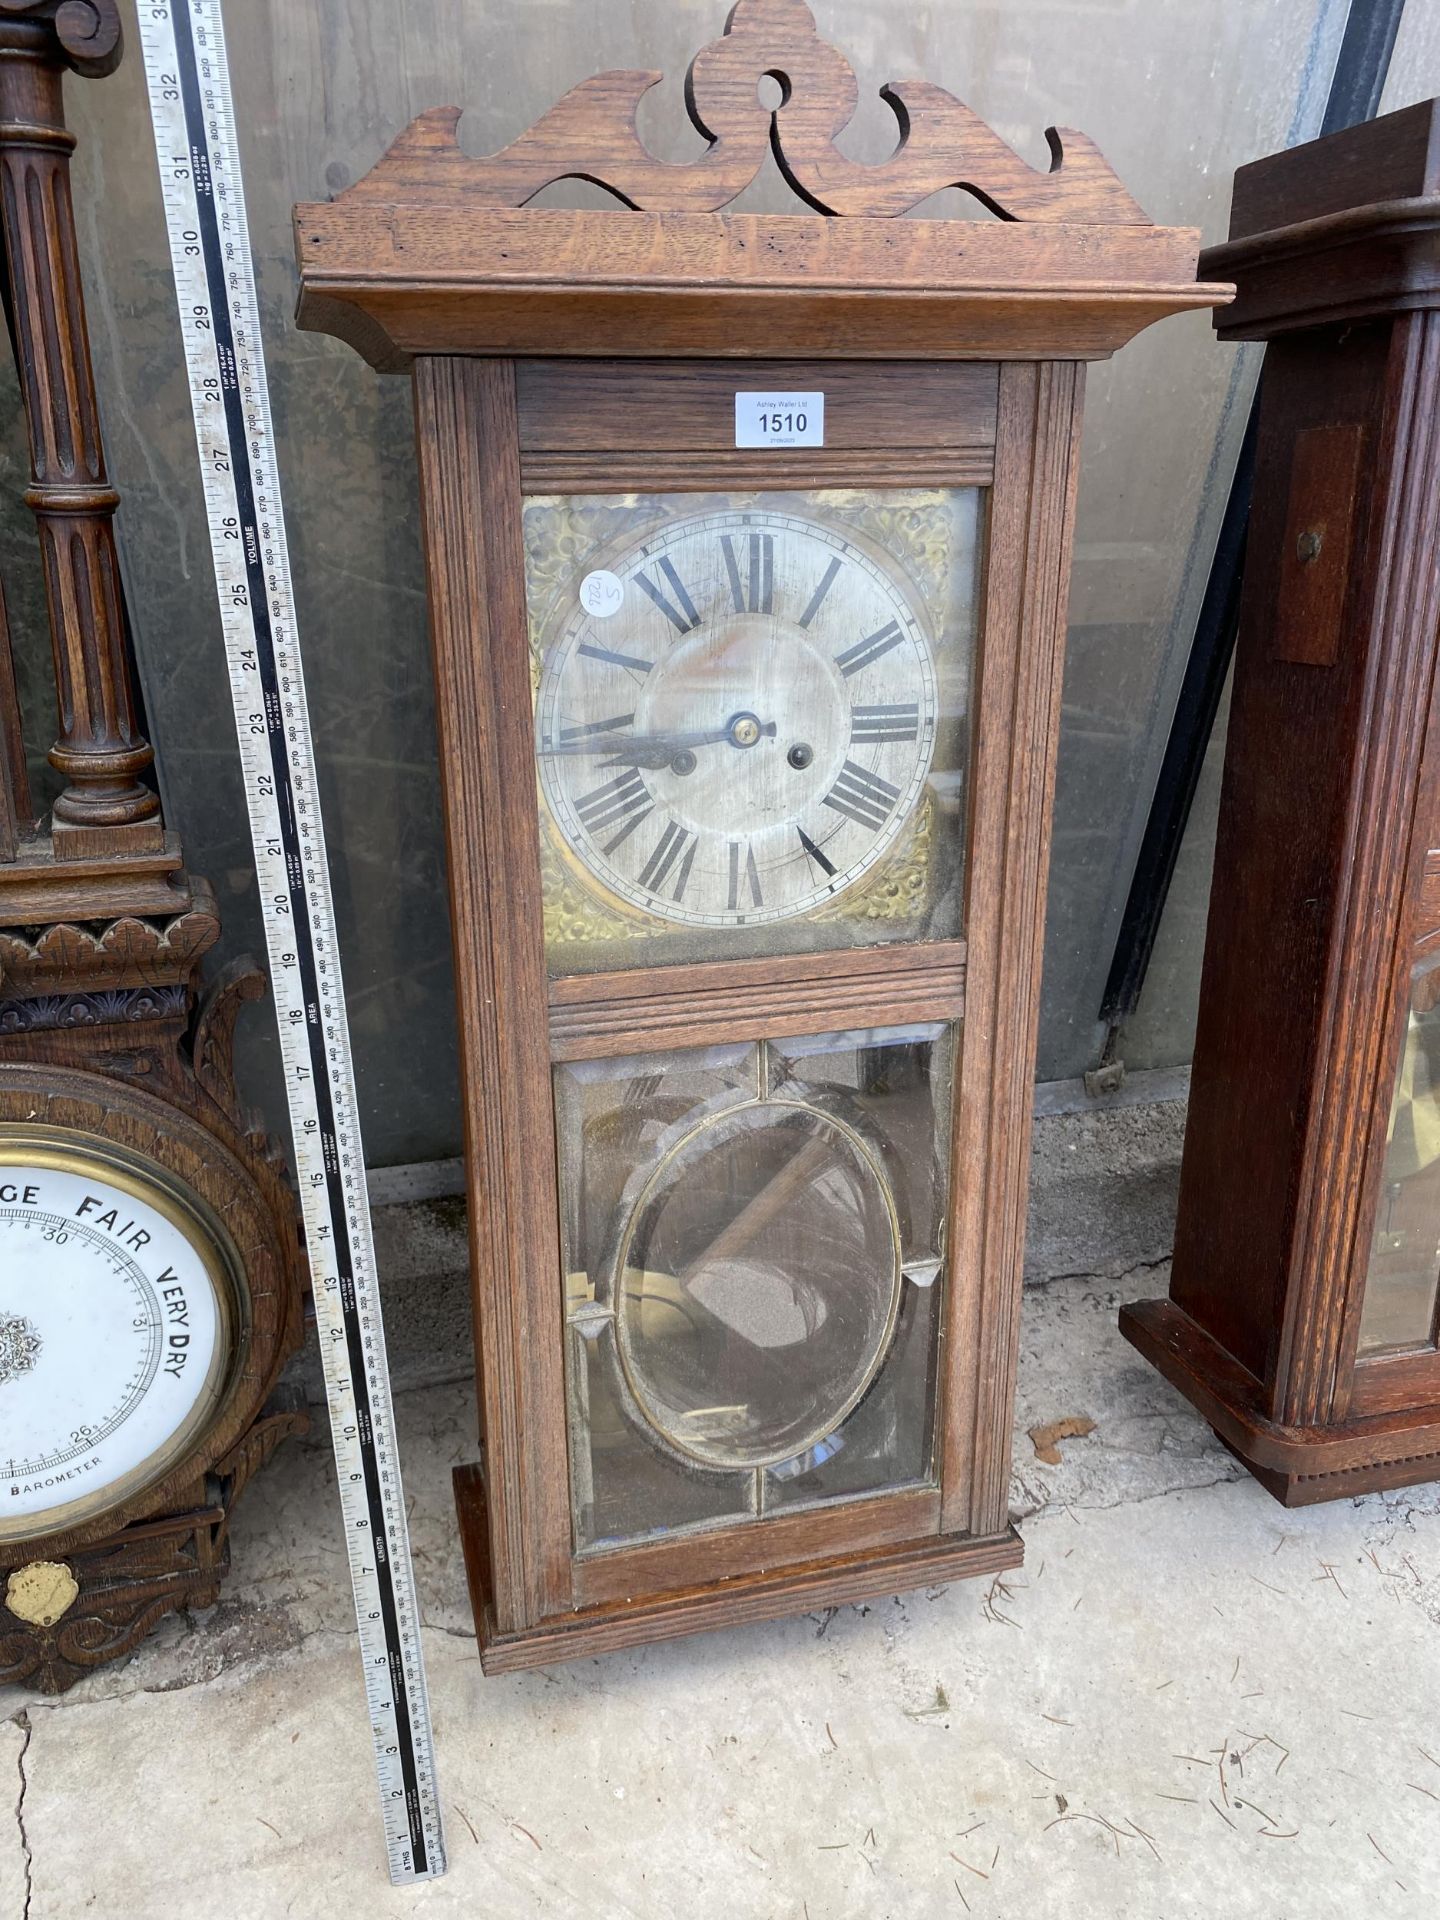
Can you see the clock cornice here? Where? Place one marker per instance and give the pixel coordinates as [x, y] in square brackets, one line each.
[437, 251]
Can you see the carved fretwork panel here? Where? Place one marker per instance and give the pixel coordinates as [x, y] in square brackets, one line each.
[113, 1596]
[591, 134]
[126, 952]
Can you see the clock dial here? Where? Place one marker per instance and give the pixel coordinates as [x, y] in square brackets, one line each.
[743, 728]
[116, 1332]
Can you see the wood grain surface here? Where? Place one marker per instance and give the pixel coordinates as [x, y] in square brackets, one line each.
[1316, 544]
[100, 750]
[766, 1594]
[1026, 594]
[470, 496]
[597, 1016]
[17, 815]
[406, 279]
[591, 134]
[849, 1528]
[1323, 894]
[672, 406]
[434, 251]
[1394, 157]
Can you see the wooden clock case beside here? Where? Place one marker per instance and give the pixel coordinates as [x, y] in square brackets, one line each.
[106, 1038]
[1295, 1213]
[601, 352]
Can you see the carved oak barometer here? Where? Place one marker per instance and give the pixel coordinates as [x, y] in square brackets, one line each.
[150, 1267]
[748, 542]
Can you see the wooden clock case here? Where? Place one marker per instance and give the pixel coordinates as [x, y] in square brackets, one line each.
[105, 1034]
[601, 351]
[1325, 903]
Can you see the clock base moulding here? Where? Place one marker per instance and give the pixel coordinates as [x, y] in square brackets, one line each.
[835, 1581]
[1300, 1466]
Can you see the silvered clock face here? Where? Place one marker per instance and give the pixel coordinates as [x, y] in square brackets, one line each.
[114, 1337]
[737, 718]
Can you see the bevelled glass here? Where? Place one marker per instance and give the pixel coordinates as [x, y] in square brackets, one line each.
[1404, 1274]
[754, 1261]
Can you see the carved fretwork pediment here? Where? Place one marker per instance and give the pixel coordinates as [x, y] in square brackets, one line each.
[590, 134]
[437, 251]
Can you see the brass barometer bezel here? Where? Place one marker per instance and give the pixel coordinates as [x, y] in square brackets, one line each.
[60, 1150]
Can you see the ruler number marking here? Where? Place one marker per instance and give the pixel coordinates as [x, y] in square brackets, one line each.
[220, 323]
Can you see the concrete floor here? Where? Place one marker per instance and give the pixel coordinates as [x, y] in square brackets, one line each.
[1188, 1703]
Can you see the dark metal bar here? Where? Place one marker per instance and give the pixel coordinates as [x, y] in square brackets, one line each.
[1355, 90]
[1190, 729]
[1362, 64]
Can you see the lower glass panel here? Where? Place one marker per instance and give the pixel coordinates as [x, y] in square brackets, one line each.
[752, 1240]
[887, 1441]
[623, 1490]
[1404, 1275]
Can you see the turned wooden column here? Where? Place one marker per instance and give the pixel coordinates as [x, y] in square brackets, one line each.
[15, 816]
[105, 807]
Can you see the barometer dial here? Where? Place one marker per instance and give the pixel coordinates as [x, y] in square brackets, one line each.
[119, 1298]
[737, 719]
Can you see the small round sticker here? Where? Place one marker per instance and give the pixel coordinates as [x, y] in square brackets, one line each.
[601, 593]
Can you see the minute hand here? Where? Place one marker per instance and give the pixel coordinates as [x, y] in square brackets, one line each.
[650, 750]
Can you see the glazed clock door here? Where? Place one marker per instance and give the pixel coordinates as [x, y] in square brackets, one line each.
[1402, 1288]
[746, 758]
[752, 742]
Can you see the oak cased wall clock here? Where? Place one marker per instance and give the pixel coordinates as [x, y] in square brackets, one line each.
[748, 541]
[1303, 1318]
[150, 1266]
